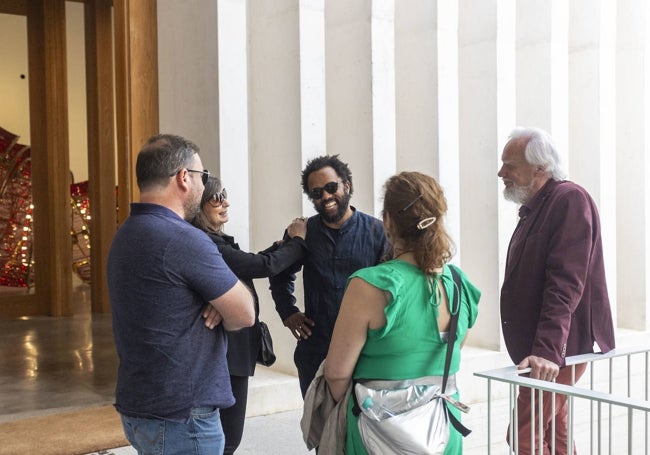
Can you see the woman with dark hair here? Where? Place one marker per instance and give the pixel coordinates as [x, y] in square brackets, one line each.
[395, 317]
[244, 345]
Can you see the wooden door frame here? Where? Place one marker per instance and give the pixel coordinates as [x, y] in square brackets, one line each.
[136, 113]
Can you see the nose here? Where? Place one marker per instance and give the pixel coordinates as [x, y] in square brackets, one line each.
[501, 172]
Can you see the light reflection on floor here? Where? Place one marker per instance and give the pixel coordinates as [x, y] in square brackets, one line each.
[50, 364]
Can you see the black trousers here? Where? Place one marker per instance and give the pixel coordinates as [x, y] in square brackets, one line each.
[233, 418]
[307, 364]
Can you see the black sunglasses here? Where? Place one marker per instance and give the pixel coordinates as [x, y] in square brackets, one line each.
[204, 177]
[317, 193]
[217, 198]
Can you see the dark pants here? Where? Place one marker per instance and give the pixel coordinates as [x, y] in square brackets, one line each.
[307, 364]
[233, 418]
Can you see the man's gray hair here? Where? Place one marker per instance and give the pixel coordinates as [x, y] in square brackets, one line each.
[541, 151]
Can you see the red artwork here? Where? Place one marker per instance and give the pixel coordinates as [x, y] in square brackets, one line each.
[16, 217]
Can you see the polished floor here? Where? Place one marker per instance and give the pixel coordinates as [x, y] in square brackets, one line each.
[51, 364]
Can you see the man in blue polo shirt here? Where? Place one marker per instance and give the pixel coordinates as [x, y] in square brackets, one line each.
[172, 297]
[340, 240]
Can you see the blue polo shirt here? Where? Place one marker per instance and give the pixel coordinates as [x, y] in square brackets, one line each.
[162, 271]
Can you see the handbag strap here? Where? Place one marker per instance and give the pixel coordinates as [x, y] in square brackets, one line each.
[451, 339]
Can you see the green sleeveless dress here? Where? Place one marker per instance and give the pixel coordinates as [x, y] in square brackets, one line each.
[410, 344]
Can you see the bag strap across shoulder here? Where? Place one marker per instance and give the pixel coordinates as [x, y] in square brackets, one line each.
[454, 311]
[451, 340]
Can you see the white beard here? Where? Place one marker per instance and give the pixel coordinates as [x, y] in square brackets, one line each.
[518, 194]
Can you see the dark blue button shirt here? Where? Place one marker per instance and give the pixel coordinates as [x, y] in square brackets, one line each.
[333, 255]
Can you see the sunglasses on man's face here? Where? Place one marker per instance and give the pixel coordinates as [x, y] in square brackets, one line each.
[217, 198]
[317, 193]
[204, 175]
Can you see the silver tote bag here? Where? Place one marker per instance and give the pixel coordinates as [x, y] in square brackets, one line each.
[407, 420]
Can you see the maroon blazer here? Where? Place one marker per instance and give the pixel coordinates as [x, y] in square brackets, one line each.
[554, 300]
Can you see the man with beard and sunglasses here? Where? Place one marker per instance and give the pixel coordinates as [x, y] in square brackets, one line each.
[172, 300]
[554, 300]
[340, 240]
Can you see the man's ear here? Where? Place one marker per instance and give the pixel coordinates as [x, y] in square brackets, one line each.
[181, 178]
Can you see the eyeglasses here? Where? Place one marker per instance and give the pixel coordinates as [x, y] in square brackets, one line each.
[317, 193]
[204, 177]
[217, 198]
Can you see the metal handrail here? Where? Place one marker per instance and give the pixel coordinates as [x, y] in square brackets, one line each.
[512, 376]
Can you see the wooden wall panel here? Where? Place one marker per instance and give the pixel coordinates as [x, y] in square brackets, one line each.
[48, 100]
[136, 69]
[101, 144]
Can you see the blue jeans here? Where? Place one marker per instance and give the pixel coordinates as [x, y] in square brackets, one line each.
[200, 435]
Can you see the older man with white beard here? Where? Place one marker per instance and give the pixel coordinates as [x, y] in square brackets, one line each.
[554, 300]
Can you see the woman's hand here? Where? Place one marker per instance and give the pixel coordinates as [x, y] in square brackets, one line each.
[298, 228]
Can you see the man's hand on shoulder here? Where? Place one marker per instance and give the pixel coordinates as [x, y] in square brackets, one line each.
[299, 325]
[540, 368]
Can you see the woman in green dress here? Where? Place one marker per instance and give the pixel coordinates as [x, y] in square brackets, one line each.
[395, 316]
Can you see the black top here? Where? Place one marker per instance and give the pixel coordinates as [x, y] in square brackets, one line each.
[244, 344]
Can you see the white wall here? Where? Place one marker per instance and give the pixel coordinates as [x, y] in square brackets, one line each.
[436, 86]
[390, 85]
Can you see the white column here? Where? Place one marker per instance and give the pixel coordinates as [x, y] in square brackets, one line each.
[592, 115]
[383, 97]
[542, 67]
[312, 85]
[348, 100]
[233, 114]
[633, 162]
[486, 107]
[275, 142]
[275, 119]
[188, 74]
[426, 75]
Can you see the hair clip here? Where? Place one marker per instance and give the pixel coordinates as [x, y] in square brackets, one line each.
[410, 204]
[425, 223]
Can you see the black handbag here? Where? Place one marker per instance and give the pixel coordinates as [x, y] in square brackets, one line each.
[266, 356]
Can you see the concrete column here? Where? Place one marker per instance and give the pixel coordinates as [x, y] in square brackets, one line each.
[383, 97]
[275, 119]
[542, 67]
[426, 76]
[592, 115]
[312, 85]
[348, 99]
[188, 74]
[633, 162]
[486, 108]
[275, 141]
[234, 160]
